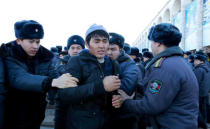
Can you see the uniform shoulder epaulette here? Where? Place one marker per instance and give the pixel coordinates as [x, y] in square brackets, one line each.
[159, 62]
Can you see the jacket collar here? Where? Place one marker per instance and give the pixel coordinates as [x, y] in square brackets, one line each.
[123, 57]
[171, 51]
[14, 50]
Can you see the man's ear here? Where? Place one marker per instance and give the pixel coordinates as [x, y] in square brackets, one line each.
[158, 44]
[86, 44]
[18, 41]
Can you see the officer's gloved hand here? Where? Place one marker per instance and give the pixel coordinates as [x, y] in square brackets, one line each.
[65, 81]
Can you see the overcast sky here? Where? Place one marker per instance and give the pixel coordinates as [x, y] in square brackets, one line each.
[63, 18]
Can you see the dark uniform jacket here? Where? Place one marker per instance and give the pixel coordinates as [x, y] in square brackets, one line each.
[2, 93]
[202, 72]
[28, 80]
[171, 96]
[128, 73]
[88, 103]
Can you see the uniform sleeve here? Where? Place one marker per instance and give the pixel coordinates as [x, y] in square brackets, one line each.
[20, 79]
[161, 90]
[83, 92]
[129, 78]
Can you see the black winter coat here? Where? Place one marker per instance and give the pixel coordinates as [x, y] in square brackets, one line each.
[202, 73]
[88, 103]
[2, 93]
[27, 80]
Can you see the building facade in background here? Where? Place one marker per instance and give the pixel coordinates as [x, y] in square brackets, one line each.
[192, 17]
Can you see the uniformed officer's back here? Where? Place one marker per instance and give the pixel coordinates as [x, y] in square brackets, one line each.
[171, 95]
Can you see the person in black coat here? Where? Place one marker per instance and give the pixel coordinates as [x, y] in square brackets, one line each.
[90, 102]
[30, 74]
[202, 72]
[2, 93]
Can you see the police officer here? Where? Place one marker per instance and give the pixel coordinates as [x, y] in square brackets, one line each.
[29, 72]
[202, 72]
[171, 96]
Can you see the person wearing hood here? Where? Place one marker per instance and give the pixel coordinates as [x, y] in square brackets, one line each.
[202, 72]
[171, 95]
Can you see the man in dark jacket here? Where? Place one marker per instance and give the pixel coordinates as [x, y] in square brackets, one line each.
[129, 75]
[89, 102]
[29, 75]
[171, 96]
[202, 72]
[2, 93]
[128, 72]
[75, 45]
[147, 57]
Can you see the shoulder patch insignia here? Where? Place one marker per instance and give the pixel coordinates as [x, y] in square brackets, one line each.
[159, 62]
[155, 86]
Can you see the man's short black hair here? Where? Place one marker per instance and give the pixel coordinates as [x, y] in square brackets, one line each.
[100, 33]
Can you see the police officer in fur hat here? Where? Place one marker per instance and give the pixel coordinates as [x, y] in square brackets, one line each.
[30, 75]
[75, 44]
[202, 72]
[147, 57]
[171, 96]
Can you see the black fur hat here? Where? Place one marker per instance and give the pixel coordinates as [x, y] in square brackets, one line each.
[200, 56]
[148, 55]
[145, 50]
[127, 48]
[54, 49]
[117, 39]
[28, 29]
[134, 51]
[165, 33]
[188, 53]
[76, 39]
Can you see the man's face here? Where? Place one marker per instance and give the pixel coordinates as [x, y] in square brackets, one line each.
[30, 46]
[98, 46]
[145, 59]
[133, 57]
[185, 56]
[154, 48]
[113, 51]
[197, 62]
[74, 49]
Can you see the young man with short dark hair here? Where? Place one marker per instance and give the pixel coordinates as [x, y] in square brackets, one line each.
[89, 103]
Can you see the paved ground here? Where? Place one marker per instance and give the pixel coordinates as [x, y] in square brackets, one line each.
[49, 116]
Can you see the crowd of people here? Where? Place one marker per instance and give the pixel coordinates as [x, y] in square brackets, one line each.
[101, 82]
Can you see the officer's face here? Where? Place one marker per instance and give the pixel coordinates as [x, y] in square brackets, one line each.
[30, 46]
[145, 59]
[98, 46]
[74, 49]
[154, 48]
[133, 57]
[113, 51]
